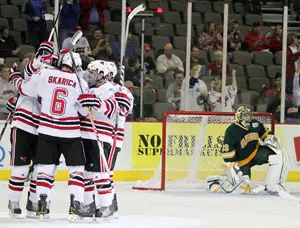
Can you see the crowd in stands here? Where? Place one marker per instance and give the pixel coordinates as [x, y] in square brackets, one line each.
[251, 79]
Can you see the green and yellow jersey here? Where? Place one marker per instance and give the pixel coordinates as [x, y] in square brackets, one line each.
[241, 144]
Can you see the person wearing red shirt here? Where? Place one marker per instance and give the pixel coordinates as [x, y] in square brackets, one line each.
[256, 40]
[292, 55]
[215, 67]
[276, 40]
[86, 9]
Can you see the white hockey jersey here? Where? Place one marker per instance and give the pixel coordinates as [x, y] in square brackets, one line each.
[296, 90]
[104, 117]
[27, 113]
[125, 102]
[58, 91]
[215, 103]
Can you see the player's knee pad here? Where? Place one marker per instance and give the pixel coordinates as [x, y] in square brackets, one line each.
[20, 171]
[88, 182]
[102, 182]
[278, 169]
[76, 174]
[44, 176]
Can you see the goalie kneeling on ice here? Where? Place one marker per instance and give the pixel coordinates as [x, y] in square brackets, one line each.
[221, 184]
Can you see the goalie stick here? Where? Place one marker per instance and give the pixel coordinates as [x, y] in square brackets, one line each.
[75, 39]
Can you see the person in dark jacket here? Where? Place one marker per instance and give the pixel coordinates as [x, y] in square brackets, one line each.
[34, 13]
[68, 18]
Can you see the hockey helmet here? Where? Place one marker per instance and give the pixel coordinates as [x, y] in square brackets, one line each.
[67, 60]
[112, 70]
[244, 115]
[97, 71]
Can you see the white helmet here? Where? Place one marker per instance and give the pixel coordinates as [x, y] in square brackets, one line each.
[67, 60]
[97, 71]
[112, 70]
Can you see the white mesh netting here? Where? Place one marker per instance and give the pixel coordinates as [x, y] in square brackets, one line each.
[191, 150]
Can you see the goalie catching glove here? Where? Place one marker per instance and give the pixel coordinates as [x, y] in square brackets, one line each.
[89, 100]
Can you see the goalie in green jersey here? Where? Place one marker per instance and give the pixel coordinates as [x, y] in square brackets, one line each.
[248, 143]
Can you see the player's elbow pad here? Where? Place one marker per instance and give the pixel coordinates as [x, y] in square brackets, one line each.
[109, 107]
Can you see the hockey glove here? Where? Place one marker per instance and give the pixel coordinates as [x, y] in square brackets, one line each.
[15, 77]
[123, 103]
[89, 100]
[45, 49]
[11, 104]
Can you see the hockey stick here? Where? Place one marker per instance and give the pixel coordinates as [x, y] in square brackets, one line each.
[75, 39]
[54, 22]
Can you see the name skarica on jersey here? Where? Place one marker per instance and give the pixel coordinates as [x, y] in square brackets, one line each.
[62, 81]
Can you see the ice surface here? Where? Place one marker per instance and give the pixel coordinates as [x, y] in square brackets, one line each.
[170, 209]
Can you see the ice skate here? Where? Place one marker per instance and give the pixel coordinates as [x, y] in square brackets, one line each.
[105, 213]
[31, 208]
[43, 207]
[14, 209]
[115, 207]
[78, 211]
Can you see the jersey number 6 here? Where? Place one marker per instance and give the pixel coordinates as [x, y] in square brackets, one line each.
[58, 103]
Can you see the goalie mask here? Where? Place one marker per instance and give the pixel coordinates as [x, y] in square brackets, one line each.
[244, 116]
[96, 72]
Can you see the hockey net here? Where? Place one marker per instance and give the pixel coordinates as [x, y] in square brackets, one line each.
[191, 144]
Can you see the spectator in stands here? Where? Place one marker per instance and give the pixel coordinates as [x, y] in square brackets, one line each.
[194, 91]
[210, 39]
[82, 47]
[8, 45]
[7, 91]
[273, 95]
[132, 116]
[215, 67]
[148, 60]
[26, 59]
[235, 37]
[131, 50]
[132, 72]
[292, 56]
[256, 40]
[34, 13]
[296, 87]
[195, 58]
[92, 13]
[215, 94]
[168, 61]
[276, 40]
[174, 90]
[99, 45]
[69, 16]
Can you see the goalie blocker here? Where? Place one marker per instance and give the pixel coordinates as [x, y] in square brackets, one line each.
[248, 143]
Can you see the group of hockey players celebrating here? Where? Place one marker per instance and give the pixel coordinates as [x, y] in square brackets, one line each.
[63, 110]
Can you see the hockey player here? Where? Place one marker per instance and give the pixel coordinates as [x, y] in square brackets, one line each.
[215, 94]
[24, 137]
[125, 101]
[248, 143]
[59, 131]
[101, 100]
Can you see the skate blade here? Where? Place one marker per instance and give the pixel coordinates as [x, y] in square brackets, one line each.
[77, 219]
[105, 219]
[12, 215]
[32, 215]
[43, 216]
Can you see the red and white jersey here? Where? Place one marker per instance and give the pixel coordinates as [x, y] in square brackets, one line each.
[125, 102]
[58, 91]
[27, 113]
[104, 117]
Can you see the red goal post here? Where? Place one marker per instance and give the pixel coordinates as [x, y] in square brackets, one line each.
[191, 142]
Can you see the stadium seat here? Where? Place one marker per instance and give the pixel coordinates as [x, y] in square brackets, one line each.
[202, 6]
[179, 42]
[10, 11]
[178, 6]
[181, 29]
[250, 18]
[24, 49]
[196, 18]
[199, 29]
[203, 55]
[240, 71]
[273, 70]
[112, 27]
[114, 4]
[9, 61]
[148, 95]
[162, 95]
[3, 22]
[241, 58]
[172, 17]
[240, 82]
[180, 53]
[255, 71]
[239, 8]
[165, 30]
[250, 97]
[134, 3]
[261, 108]
[17, 36]
[278, 58]
[161, 4]
[213, 17]
[157, 81]
[237, 17]
[17, 2]
[263, 58]
[19, 25]
[255, 83]
[3, 2]
[244, 30]
[106, 15]
[159, 42]
[148, 28]
[160, 108]
[219, 6]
